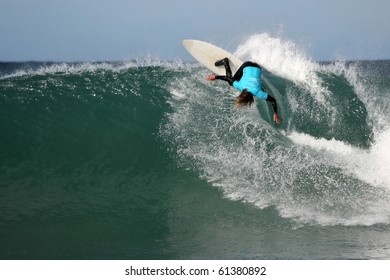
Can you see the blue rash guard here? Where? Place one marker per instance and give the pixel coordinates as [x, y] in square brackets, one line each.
[251, 81]
[248, 77]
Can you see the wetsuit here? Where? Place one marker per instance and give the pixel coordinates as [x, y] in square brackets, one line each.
[248, 77]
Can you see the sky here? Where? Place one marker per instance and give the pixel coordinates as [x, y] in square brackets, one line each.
[101, 30]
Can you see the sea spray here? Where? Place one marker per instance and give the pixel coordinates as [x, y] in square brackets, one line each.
[321, 172]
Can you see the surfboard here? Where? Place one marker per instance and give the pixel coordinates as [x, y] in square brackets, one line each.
[207, 54]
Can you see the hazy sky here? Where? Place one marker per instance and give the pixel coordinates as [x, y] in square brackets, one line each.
[69, 30]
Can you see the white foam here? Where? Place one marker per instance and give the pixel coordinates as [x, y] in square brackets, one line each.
[371, 166]
[69, 68]
[380, 156]
[285, 59]
[333, 146]
[77, 68]
[324, 181]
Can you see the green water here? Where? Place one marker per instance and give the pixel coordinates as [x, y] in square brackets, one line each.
[149, 161]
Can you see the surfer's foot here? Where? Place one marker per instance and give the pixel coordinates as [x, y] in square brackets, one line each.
[221, 62]
[210, 77]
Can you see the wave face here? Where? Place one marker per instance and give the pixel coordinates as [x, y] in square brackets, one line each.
[130, 159]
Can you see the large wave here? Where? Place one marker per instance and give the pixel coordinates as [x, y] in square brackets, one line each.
[327, 164]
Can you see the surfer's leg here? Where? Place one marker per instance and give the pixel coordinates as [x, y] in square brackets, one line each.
[238, 75]
[225, 78]
[221, 62]
[224, 62]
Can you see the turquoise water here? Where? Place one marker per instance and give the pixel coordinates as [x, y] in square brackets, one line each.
[148, 160]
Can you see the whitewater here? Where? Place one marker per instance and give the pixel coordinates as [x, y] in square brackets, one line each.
[328, 164]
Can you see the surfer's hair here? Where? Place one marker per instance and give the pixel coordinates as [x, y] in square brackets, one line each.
[244, 99]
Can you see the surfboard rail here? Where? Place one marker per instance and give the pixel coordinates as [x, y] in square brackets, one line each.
[206, 54]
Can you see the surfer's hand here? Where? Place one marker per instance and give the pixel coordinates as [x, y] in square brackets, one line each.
[276, 118]
[210, 78]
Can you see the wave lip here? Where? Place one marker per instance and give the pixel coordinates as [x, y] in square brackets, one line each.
[45, 68]
[285, 59]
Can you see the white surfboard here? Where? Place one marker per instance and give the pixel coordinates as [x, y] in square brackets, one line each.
[207, 54]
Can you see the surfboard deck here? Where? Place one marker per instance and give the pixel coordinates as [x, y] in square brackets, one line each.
[207, 54]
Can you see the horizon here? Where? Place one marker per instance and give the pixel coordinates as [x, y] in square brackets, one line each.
[120, 30]
[191, 60]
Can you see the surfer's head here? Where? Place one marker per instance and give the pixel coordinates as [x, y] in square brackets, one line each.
[244, 99]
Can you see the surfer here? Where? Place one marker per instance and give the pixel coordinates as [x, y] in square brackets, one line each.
[247, 79]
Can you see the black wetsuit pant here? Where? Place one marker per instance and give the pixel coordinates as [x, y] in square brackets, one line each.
[238, 75]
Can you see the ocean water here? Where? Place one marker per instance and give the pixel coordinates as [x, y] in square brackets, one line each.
[146, 159]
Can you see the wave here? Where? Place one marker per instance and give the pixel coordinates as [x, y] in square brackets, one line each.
[327, 164]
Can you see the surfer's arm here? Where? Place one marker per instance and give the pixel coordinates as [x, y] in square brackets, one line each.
[275, 107]
[273, 103]
[262, 94]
